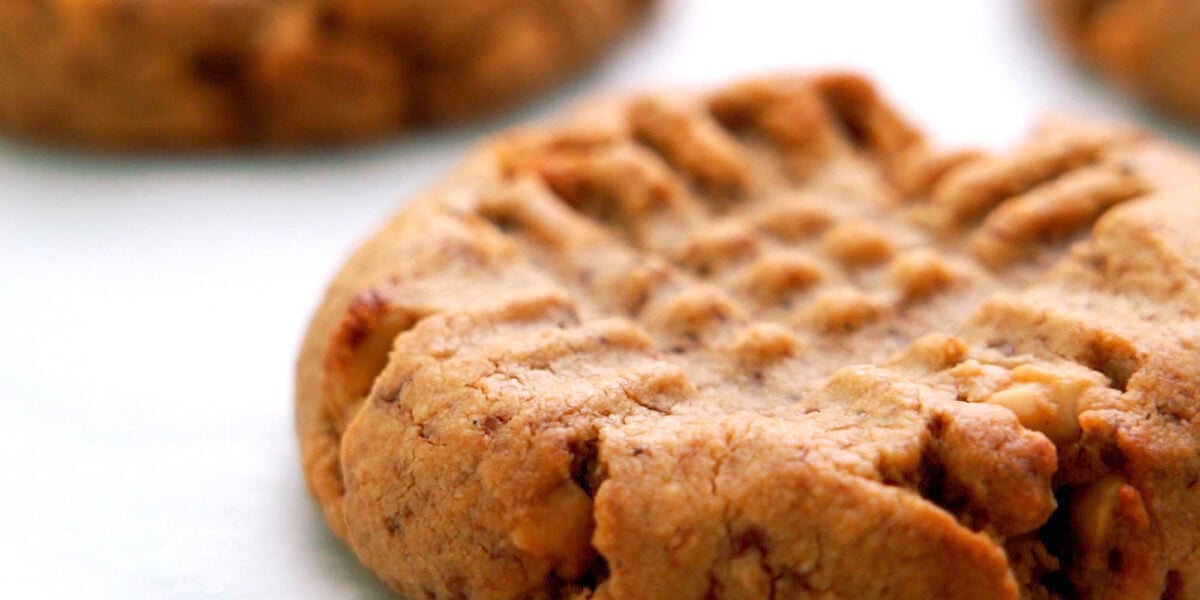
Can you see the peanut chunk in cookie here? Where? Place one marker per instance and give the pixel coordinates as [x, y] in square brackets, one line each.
[559, 527]
[1044, 400]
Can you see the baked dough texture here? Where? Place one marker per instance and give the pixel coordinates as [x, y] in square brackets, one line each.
[1149, 46]
[194, 74]
[769, 342]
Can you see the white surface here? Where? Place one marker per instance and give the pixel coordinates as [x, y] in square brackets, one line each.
[150, 309]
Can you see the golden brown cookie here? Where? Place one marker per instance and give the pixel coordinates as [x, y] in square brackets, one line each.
[1149, 46]
[133, 74]
[769, 342]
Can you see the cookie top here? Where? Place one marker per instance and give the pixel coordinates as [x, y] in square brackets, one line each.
[770, 341]
[1148, 46]
[132, 74]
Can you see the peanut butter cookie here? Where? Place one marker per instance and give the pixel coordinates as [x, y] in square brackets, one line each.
[770, 342]
[1149, 46]
[135, 74]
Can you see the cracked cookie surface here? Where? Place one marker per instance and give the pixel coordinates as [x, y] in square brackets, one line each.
[1148, 46]
[194, 74]
[769, 342]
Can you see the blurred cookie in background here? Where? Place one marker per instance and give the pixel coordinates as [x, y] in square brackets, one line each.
[197, 74]
[1151, 47]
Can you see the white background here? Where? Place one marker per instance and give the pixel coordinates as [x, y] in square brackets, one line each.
[151, 308]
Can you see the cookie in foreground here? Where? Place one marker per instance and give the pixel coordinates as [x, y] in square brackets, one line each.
[767, 342]
[1148, 46]
[197, 74]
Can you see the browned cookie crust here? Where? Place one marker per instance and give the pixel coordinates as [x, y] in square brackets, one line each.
[769, 342]
[132, 74]
[1149, 46]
